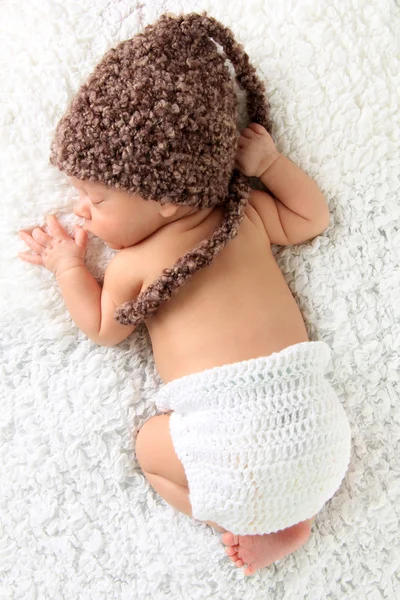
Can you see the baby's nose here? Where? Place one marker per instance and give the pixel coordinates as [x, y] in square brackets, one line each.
[81, 210]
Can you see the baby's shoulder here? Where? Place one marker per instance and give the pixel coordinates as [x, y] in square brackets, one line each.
[123, 277]
[144, 261]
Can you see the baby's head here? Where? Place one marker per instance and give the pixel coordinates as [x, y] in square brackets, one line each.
[120, 219]
[155, 127]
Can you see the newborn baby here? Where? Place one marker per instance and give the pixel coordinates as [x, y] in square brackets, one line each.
[252, 439]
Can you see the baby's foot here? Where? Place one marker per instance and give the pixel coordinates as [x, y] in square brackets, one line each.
[258, 551]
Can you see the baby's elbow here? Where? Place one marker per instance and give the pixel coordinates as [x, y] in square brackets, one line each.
[101, 341]
[109, 339]
[324, 221]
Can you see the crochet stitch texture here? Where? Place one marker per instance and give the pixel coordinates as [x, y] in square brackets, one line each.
[264, 442]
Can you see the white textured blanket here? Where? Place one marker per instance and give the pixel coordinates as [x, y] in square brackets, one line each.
[78, 520]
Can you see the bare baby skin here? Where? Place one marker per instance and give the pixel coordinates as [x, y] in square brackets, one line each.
[239, 307]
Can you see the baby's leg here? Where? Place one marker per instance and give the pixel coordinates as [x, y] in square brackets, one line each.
[161, 466]
[165, 473]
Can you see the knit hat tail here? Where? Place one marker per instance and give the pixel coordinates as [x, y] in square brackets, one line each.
[161, 290]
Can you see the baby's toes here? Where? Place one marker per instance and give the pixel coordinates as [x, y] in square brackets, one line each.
[229, 539]
[249, 570]
[233, 555]
[232, 552]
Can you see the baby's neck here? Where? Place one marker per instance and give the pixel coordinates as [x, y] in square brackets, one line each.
[192, 220]
[188, 222]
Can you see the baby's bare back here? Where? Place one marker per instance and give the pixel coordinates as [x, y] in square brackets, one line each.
[237, 308]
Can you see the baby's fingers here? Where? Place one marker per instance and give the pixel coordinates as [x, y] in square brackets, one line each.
[248, 134]
[81, 236]
[36, 241]
[34, 259]
[257, 128]
[254, 130]
[244, 143]
[56, 229]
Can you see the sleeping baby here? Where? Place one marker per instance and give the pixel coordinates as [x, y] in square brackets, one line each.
[250, 437]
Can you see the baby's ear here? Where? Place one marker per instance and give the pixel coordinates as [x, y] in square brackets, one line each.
[168, 209]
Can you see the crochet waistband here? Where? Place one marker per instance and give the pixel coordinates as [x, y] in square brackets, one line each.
[293, 368]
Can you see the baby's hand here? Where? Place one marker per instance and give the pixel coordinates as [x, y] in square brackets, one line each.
[256, 151]
[57, 252]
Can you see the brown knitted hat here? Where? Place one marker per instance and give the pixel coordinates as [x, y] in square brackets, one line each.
[157, 117]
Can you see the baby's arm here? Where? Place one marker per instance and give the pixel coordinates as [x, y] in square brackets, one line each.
[91, 307]
[298, 211]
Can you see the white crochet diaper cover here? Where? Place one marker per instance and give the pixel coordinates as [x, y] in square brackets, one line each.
[264, 442]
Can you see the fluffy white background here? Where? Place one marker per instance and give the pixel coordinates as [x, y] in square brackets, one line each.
[77, 517]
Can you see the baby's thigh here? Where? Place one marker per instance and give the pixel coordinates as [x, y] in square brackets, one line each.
[155, 451]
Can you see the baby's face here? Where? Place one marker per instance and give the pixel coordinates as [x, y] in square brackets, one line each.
[118, 218]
